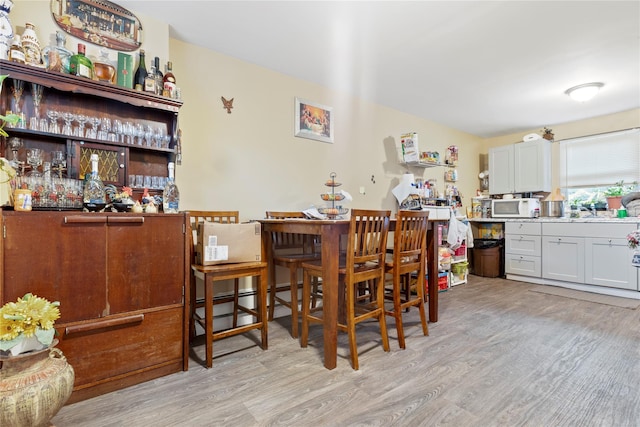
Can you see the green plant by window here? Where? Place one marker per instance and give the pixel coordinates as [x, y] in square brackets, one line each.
[619, 189]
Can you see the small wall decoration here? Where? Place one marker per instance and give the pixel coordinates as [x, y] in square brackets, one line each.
[227, 104]
[99, 22]
[313, 121]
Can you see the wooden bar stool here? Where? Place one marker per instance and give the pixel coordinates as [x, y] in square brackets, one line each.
[364, 262]
[408, 260]
[214, 273]
[289, 251]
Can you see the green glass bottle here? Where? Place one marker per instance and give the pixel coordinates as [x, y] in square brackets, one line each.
[80, 65]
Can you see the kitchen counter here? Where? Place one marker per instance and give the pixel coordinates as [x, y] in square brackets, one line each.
[599, 219]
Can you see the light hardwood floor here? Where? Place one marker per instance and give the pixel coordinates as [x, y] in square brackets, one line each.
[500, 355]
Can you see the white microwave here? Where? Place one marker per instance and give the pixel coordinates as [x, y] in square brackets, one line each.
[514, 208]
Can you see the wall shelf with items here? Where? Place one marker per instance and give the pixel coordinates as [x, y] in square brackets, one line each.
[134, 133]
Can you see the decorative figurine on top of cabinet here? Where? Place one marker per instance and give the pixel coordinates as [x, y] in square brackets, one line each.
[548, 134]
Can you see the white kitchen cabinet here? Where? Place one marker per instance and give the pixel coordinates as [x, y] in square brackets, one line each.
[522, 249]
[520, 168]
[608, 263]
[563, 258]
[501, 175]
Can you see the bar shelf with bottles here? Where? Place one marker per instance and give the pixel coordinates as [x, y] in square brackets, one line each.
[134, 133]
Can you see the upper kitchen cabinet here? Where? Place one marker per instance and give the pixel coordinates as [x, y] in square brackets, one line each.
[520, 168]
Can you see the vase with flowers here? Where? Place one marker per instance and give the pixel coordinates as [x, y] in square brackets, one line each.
[35, 378]
[27, 324]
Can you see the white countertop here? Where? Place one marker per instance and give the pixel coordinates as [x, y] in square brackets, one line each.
[599, 219]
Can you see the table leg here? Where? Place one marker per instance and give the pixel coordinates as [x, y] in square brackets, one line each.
[330, 264]
[432, 266]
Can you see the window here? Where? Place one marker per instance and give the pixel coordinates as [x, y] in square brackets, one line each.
[591, 164]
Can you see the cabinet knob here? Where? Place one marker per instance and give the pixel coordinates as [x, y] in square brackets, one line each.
[121, 165]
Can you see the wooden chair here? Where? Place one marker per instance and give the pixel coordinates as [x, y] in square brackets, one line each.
[363, 263]
[218, 272]
[409, 259]
[288, 251]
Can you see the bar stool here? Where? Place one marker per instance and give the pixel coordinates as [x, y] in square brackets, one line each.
[409, 259]
[211, 274]
[364, 262]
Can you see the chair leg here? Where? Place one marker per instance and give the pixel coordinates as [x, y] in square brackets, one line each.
[293, 286]
[306, 296]
[263, 280]
[351, 326]
[208, 309]
[397, 308]
[272, 291]
[382, 317]
[422, 308]
[236, 292]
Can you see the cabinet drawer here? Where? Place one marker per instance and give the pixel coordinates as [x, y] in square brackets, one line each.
[113, 347]
[522, 244]
[532, 228]
[588, 229]
[522, 265]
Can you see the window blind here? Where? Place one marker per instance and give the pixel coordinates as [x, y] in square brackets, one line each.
[600, 160]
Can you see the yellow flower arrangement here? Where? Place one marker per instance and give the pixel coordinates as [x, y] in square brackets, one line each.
[29, 316]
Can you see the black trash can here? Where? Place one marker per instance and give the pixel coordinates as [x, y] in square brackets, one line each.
[488, 258]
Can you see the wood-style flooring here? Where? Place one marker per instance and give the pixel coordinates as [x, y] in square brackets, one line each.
[500, 355]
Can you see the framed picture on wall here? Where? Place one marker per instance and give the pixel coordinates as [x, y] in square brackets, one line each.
[313, 121]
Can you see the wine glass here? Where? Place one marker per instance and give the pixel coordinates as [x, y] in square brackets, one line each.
[16, 91]
[68, 118]
[92, 132]
[81, 119]
[36, 96]
[34, 159]
[139, 133]
[53, 117]
[59, 161]
[105, 128]
[15, 144]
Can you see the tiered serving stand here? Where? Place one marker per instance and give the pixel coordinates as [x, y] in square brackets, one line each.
[333, 211]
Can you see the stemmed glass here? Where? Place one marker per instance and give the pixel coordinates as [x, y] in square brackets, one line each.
[53, 117]
[36, 96]
[138, 132]
[95, 124]
[81, 119]
[15, 144]
[105, 128]
[68, 119]
[59, 162]
[16, 91]
[34, 159]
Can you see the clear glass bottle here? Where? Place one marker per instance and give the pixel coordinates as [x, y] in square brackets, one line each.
[57, 57]
[93, 187]
[80, 65]
[169, 82]
[171, 195]
[150, 81]
[16, 52]
[103, 67]
[141, 73]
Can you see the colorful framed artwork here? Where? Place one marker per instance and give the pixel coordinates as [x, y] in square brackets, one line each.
[99, 22]
[313, 121]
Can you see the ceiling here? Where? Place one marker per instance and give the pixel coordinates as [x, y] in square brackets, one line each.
[488, 68]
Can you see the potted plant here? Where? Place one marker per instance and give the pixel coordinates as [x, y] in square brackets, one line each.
[27, 324]
[615, 192]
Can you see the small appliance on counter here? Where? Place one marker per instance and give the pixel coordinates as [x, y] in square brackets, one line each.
[515, 208]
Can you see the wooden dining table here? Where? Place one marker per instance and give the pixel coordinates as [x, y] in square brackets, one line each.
[330, 232]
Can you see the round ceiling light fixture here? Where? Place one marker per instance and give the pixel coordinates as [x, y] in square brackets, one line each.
[584, 92]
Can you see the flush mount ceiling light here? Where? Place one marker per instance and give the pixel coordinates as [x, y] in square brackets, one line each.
[585, 92]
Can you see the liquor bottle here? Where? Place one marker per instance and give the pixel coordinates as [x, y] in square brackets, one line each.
[80, 65]
[169, 82]
[171, 195]
[93, 187]
[57, 57]
[150, 81]
[141, 73]
[16, 51]
[159, 76]
[31, 45]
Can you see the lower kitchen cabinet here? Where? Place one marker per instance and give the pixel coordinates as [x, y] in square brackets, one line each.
[563, 258]
[608, 263]
[120, 281]
[522, 249]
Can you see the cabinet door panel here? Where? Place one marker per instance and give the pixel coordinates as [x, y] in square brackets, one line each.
[501, 170]
[532, 166]
[563, 258]
[522, 245]
[58, 260]
[522, 265]
[146, 263]
[608, 263]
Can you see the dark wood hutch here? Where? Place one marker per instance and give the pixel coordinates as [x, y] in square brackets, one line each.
[120, 277]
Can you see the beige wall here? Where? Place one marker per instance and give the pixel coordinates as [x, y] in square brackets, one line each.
[251, 161]
[609, 123]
